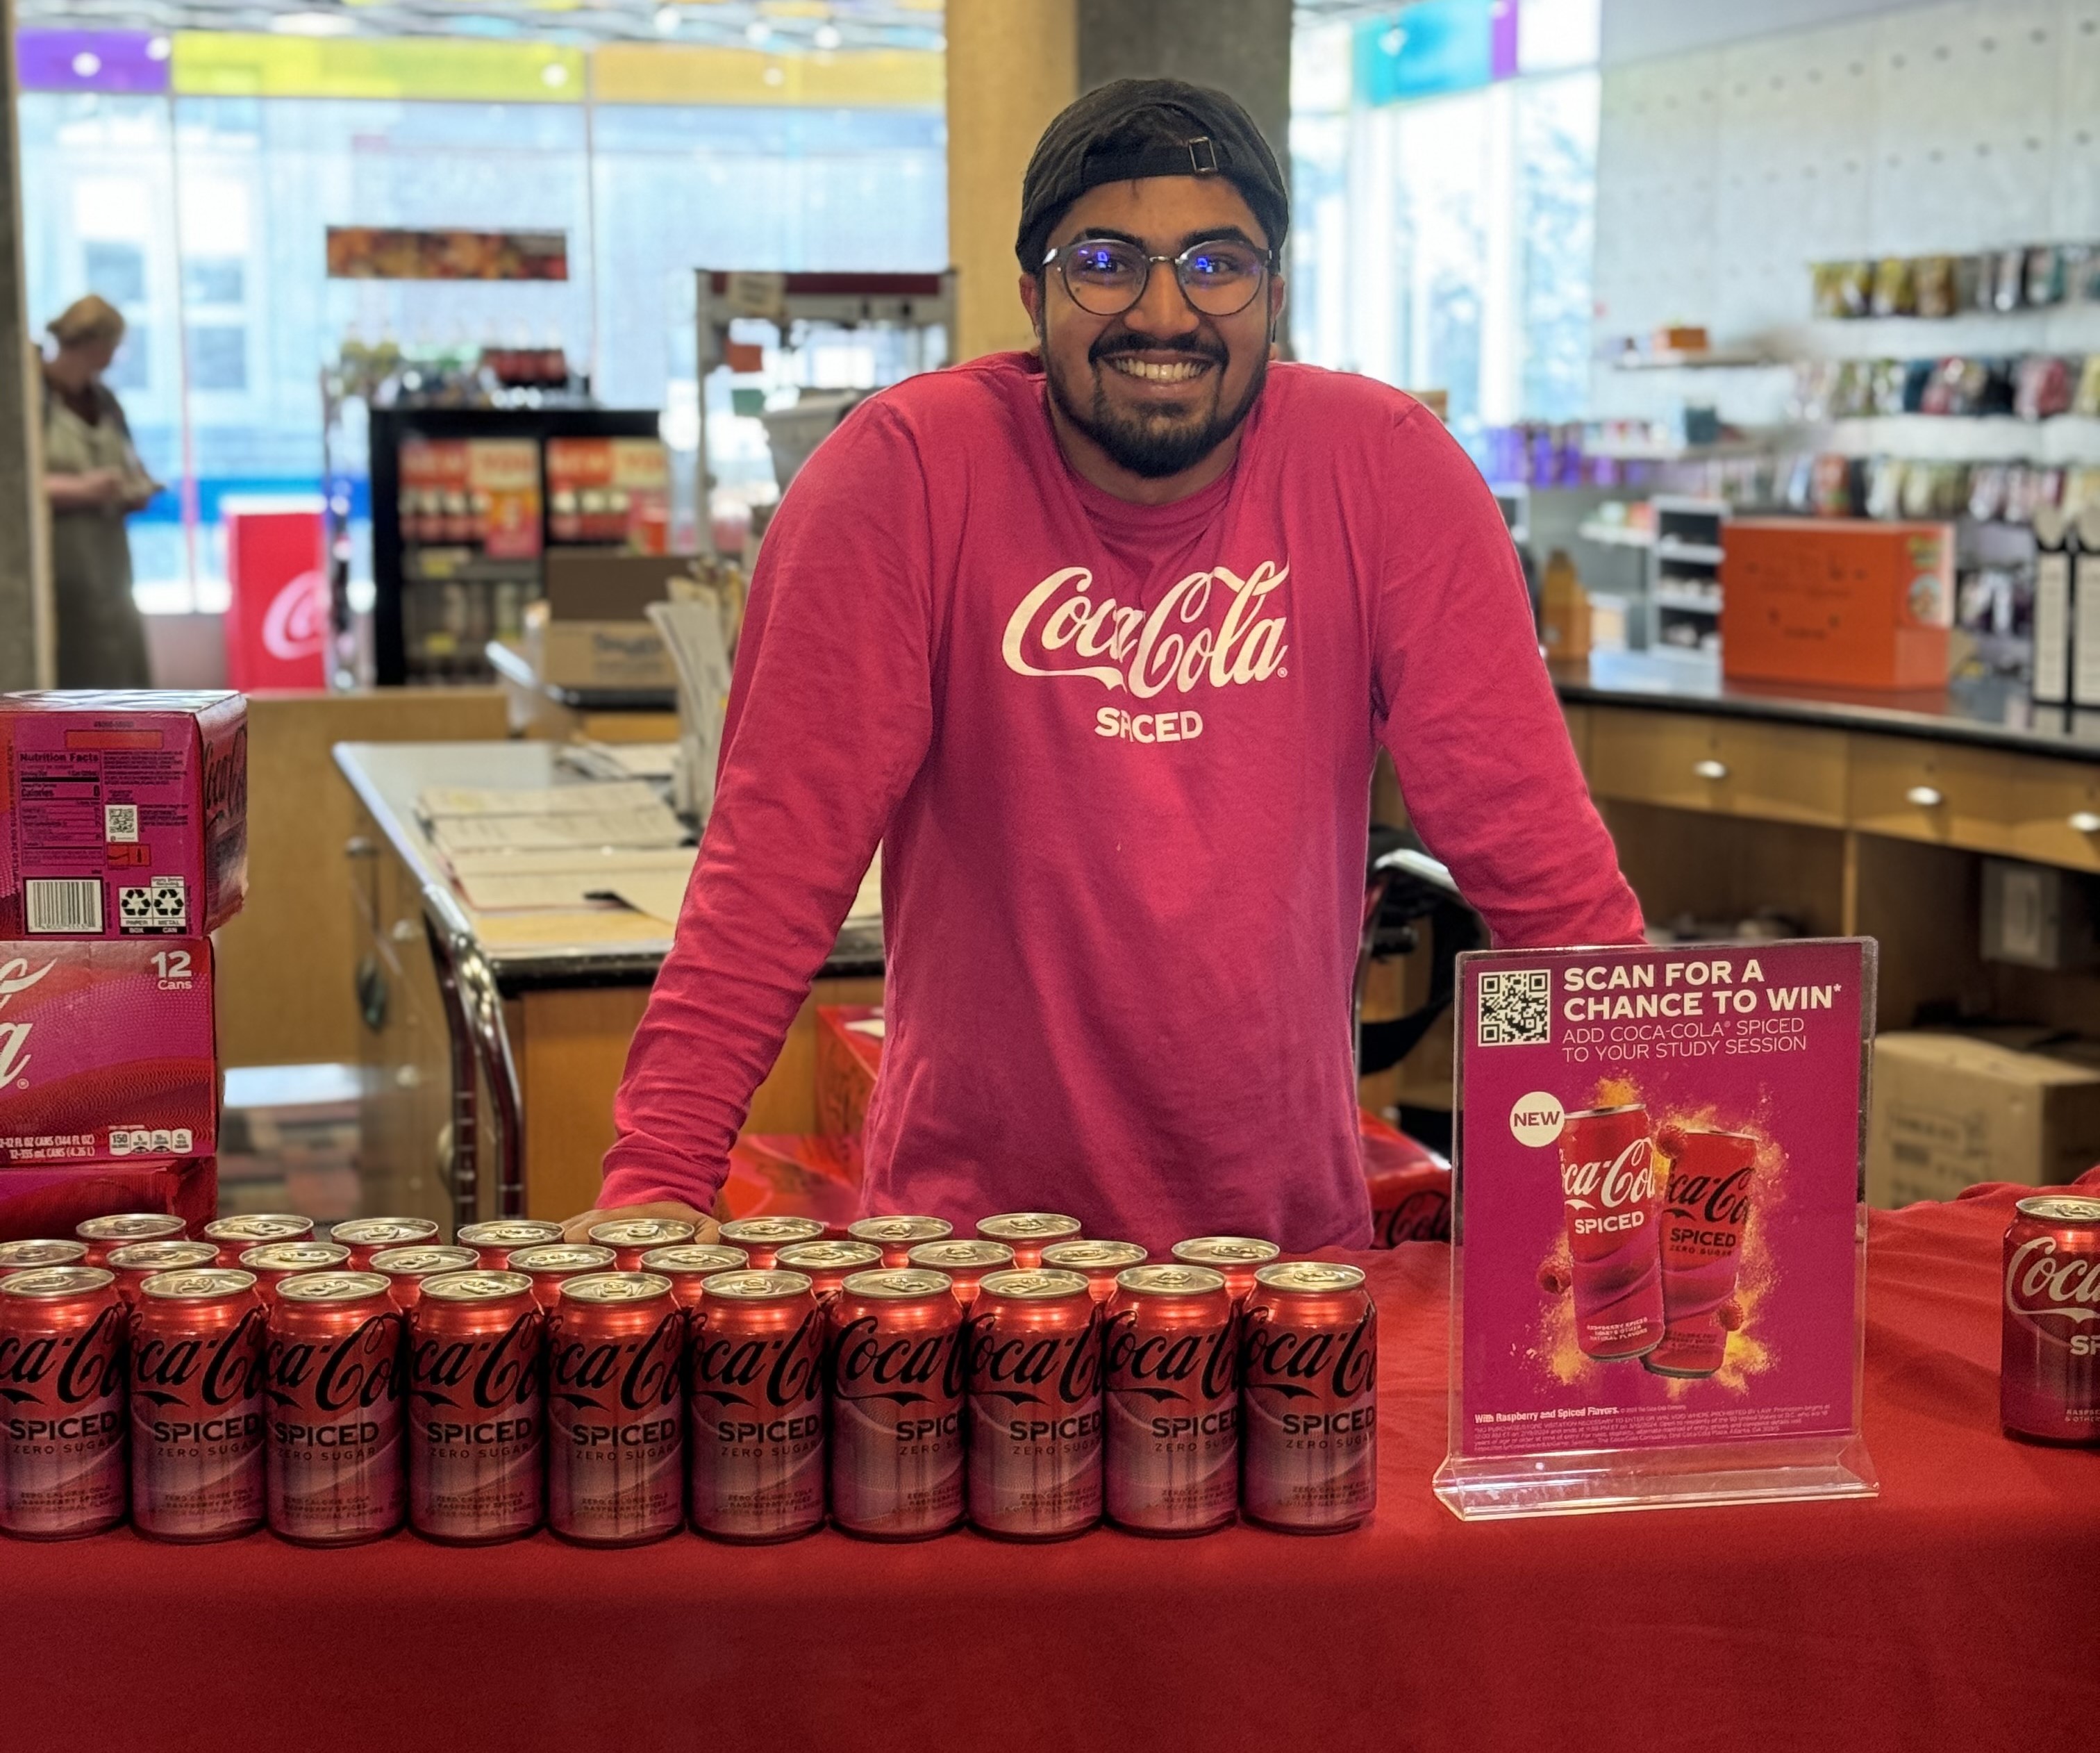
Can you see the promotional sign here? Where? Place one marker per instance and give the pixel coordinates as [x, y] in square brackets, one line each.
[276, 576]
[1658, 1265]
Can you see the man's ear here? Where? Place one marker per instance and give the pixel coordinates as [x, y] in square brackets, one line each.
[1276, 302]
[1031, 300]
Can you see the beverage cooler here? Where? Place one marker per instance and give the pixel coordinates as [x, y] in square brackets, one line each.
[467, 502]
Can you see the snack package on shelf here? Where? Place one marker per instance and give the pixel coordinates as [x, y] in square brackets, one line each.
[48, 1200]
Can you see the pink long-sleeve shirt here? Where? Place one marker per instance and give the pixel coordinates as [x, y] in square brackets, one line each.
[1119, 760]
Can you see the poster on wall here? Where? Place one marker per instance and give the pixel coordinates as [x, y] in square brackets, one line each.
[388, 252]
[1658, 1259]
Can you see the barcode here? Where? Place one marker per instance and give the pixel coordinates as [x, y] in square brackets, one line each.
[68, 904]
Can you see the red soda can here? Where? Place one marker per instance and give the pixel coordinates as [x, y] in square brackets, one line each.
[963, 1262]
[1097, 1262]
[27, 1256]
[828, 1265]
[275, 1261]
[404, 1269]
[897, 1236]
[690, 1267]
[615, 1421]
[137, 1261]
[755, 1387]
[1035, 1341]
[62, 1381]
[896, 1374]
[631, 1238]
[1613, 1200]
[2049, 1373]
[476, 1472]
[1706, 1210]
[366, 1236]
[234, 1236]
[548, 1266]
[333, 1373]
[103, 1233]
[492, 1241]
[1171, 1406]
[1028, 1233]
[762, 1238]
[1234, 1258]
[197, 1405]
[1309, 1462]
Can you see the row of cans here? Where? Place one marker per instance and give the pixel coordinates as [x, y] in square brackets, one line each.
[754, 1394]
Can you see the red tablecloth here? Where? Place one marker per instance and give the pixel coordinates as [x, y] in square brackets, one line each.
[1959, 1610]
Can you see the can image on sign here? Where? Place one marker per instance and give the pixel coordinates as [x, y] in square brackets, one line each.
[492, 1242]
[897, 1376]
[762, 1238]
[405, 1268]
[631, 1238]
[962, 1262]
[1028, 1233]
[755, 1387]
[1035, 1341]
[197, 1405]
[234, 1236]
[274, 1262]
[897, 1236]
[475, 1464]
[61, 1403]
[1098, 1262]
[828, 1265]
[1706, 1210]
[333, 1377]
[137, 1261]
[550, 1266]
[2049, 1369]
[366, 1236]
[1613, 1207]
[691, 1265]
[1171, 1408]
[27, 1256]
[1309, 1399]
[616, 1423]
[1234, 1258]
[103, 1233]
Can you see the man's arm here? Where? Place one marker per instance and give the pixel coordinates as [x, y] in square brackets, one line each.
[1469, 713]
[829, 715]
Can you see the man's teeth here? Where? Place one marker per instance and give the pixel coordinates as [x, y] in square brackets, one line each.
[1178, 371]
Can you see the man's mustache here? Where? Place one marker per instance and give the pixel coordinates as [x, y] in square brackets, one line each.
[1124, 342]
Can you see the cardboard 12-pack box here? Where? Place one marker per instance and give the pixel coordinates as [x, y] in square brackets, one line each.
[122, 814]
[849, 1054]
[47, 1200]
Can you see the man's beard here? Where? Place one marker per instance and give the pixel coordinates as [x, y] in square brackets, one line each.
[1154, 445]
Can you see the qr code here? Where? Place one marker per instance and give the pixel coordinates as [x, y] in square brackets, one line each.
[120, 822]
[1516, 1008]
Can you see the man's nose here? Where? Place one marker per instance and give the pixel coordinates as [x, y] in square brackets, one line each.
[1162, 310]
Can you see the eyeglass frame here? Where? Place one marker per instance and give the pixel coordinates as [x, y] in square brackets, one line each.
[1176, 261]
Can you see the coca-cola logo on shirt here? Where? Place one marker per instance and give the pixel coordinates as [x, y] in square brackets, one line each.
[645, 1371]
[867, 1364]
[745, 1369]
[1722, 1199]
[2042, 1281]
[82, 1367]
[1061, 628]
[224, 1369]
[1626, 1179]
[358, 1369]
[1424, 1216]
[16, 976]
[1020, 1369]
[1165, 1364]
[1287, 1357]
[497, 1370]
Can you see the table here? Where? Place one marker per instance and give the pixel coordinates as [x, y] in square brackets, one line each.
[1958, 1610]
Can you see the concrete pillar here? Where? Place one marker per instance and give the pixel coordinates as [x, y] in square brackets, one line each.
[1241, 47]
[26, 631]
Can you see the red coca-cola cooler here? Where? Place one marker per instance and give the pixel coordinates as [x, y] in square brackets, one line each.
[276, 569]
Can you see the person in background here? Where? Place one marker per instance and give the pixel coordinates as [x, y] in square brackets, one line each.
[94, 481]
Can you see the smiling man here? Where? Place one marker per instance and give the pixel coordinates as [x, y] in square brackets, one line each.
[1101, 641]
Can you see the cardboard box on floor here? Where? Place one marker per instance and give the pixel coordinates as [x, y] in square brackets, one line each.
[1953, 1110]
[590, 630]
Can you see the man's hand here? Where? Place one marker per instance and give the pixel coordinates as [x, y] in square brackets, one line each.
[704, 1227]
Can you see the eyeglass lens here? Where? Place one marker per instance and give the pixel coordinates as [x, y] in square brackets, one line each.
[1106, 277]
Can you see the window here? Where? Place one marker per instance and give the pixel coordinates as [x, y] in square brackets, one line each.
[219, 358]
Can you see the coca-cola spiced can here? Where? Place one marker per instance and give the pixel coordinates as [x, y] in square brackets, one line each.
[755, 1388]
[234, 1236]
[1095, 1260]
[103, 1233]
[492, 1240]
[631, 1238]
[897, 1236]
[367, 1236]
[197, 1405]
[897, 1377]
[828, 1265]
[476, 1462]
[33, 1253]
[405, 1268]
[62, 1411]
[1035, 1405]
[762, 1238]
[1308, 1398]
[1171, 1405]
[1234, 1258]
[137, 1261]
[549, 1267]
[616, 1423]
[963, 1261]
[2049, 1373]
[1028, 1233]
[333, 1374]
[273, 1262]
[690, 1266]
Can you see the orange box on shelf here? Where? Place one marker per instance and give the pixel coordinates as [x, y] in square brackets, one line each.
[849, 1054]
[792, 1175]
[1838, 601]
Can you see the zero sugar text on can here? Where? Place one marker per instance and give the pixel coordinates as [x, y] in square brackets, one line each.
[366, 1236]
[631, 1238]
[2048, 1371]
[405, 1268]
[1234, 1258]
[28, 1254]
[897, 1236]
[274, 1262]
[1097, 1262]
[690, 1266]
[492, 1241]
[234, 1236]
[762, 1238]
[103, 1233]
[1309, 1399]
[755, 1389]
[828, 1265]
[963, 1262]
[1028, 1233]
[62, 1410]
[1035, 1341]
[197, 1405]
[137, 1261]
[550, 1265]
[615, 1425]
[476, 1419]
[333, 1374]
[897, 1377]
[1171, 1406]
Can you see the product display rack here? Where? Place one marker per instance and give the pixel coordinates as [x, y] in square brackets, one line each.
[1684, 573]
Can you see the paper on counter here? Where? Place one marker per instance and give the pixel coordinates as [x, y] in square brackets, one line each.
[655, 825]
[619, 761]
[443, 802]
[570, 877]
[658, 894]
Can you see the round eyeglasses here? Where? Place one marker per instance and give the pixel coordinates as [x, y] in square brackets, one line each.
[1106, 276]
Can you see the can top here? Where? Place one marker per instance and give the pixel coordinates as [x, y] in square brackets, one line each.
[16, 1255]
[203, 1284]
[131, 1227]
[259, 1226]
[1598, 1113]
[829, 1256]
[383, 1232]
[1171, 1280]
[899, 1228]
[760, 1287]
[55, 1281]
[1037, 1284]
[162, 1256]
[1225, 1250]
[509, 1232]
[1309, 1278]
[331, 1287]
[477, 1287]
[1092, 1252]
[2061, 1209]
[561, 1256]
[772, 1230]
[294, 1257]
[696, 1256]
[938, 1256]
[615, 1287]
[641, 1232]
[417, 1262]
[1027, 1226]
[902, 1283]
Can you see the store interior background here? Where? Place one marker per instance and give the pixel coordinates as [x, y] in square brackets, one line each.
[1489, 221]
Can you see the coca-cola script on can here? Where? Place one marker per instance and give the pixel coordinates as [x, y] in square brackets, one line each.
[896, 1380]
[1172, 1403]
[616, 1425]
[333, 1380]
[197, 1405]
[61, 1403]
[755, 1387]
[476, 1417]
[2049, 1375]
[1309, 1399]
[1608, 1190]
[1035, 1405]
